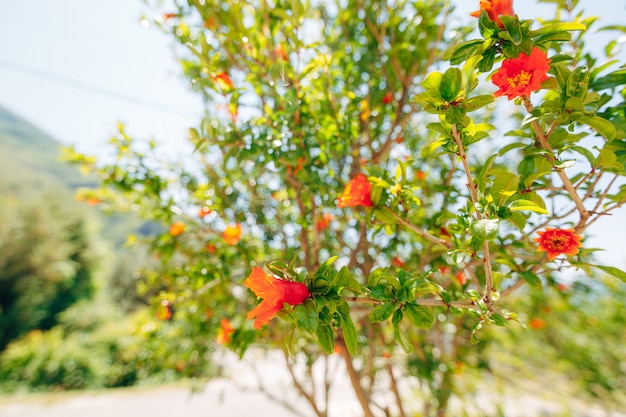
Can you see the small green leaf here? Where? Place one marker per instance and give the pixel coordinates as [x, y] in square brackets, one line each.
[532, 279]
[527, 205]
[402, 340]
[432, 81]
[485, 229]
[381, 312]
[419, 315]
[512, 25]
[384, 215]
[556, 28]
[306, 316]
[577, 83]
[498, 320]
[451, 84]
[568, 163]
[347, 325]
[606, 158]
[602, 126]
[477, 102]
[611, 270]
[398, 336]
[326, 337]
[461, 52]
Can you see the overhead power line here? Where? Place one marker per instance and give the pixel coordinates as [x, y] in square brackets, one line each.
[70, 82]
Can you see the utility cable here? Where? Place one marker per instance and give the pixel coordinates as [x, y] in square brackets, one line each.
[55, 78]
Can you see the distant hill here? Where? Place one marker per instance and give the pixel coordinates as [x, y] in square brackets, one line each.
[30, 168]
[29, 158]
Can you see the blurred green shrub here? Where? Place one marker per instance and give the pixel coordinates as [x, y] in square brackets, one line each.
[95, 345]
[48, 258]
[577, 337]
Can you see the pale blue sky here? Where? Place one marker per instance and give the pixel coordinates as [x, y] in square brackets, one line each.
[101, 43]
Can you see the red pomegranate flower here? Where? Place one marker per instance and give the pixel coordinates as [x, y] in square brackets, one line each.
[232, 234]
[223, 334]
[495, 8]
[522, 75]
[323, 222]
[224, 81]
[275, 293]
[558, 241]
[204, 211]
[356, 193]
[177, 228]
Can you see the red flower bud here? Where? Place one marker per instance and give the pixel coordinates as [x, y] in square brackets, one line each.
[275, 293]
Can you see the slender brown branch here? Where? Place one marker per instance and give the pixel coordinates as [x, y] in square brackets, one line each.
[567, 183]
[418, 231]
[395, 390]
[472, 189]
[426, 302]
[303, 393]
[354, 379]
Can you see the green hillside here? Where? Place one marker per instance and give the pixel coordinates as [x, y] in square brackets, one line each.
[29, 158]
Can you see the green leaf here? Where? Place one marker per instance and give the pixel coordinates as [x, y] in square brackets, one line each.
[519, 220]
[432, 81]
[485, 229]
[461, 52]
[527, 205]
[556, 28]
[512, 25]
[402, 340]
[577, 83]
[451, 84]
[504, 185]
[478, 102]
[384, 215]
[326, 337]
[381, 312]
[531, 278]
[486, 26]
[484, 170]
[611, 270]
[584, 152]
[498, 319]
[419, 315]
[398, 336]
[612, 80]
[568, 163]
[347, 325]
[606, 158]
[306, 316]
[602, 126]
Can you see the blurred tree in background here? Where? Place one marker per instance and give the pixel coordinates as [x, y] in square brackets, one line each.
[48, 259]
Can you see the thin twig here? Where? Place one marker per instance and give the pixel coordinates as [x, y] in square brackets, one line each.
[421, 232]
[354, 379]
[489, 289]
[567, 183]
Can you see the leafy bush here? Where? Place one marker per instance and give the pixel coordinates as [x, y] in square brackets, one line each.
[47, 263]
[95, 347]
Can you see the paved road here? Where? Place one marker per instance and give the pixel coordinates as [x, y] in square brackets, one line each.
[223, 398]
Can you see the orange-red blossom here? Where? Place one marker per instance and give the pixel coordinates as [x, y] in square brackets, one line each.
[223, 334]
[232, 234]
[356, 193]
[275, 293]
[522, 75]
[177, 228]
[494, 9]
[558, 241]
